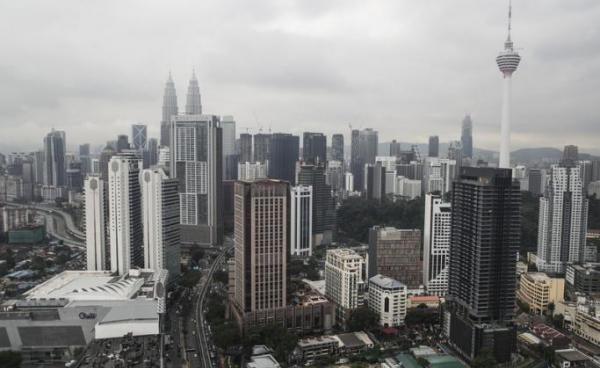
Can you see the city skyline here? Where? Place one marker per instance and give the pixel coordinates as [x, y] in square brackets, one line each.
[294, 89]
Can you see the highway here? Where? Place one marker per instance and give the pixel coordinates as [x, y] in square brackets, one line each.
[202, 337]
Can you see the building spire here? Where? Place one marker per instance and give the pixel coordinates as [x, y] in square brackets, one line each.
[508, 45]
[193, 105]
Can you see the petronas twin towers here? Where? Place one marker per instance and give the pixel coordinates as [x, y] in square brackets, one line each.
[193, 105]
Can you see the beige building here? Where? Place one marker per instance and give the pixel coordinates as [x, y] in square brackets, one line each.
[343, 281]
[587, 321]
[538, 290]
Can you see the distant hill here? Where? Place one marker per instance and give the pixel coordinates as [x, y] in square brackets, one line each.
[525, 155]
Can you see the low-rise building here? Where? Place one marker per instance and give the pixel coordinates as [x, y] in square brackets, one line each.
[582, 280]
[587, 320]
[311, 349]
[539, 290]
[388, 298]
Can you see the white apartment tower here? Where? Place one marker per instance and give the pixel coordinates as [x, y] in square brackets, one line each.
[301, 209]
[125, 215]
[438, 175]
[250, 171]
[160, 216]
[389, 299]
[343, 280]
[436, 244]
[96, 236]
[562, 224]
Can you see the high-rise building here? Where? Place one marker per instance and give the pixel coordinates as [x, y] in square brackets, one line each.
[160, 216]
[96, 227]
[570, 155]
[507, 61]
[438, 175]
[229, 164]
[323, 203]
[396, 253]
[337, 147]
[395, 149]
[125, 213]
[301, 221]
[85, 159]
[335, 175]
[466, 137]
[436, 244]
[151, 153]
[314, 148]
[284, 154]
[250, 171]
[562, 224]
[349, 182]
[169, 109]
[123, 143]
[536, 181]
[196, 160]
[193, 102]
[55, 167]
[484, 243]
[261, 248]
[434, 146]
[245, 148]
[139, 136]
[39, 166]
[105, 157]
[343, 281]
[84, 149]
[262, 147]
[363, 151]
[375, 181]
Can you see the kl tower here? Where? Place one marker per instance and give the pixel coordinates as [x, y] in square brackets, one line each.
[507, 61]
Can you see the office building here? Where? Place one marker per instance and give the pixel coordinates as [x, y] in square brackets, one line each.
[196, 161]
[284, 154]
[160, 216]
[412, 170]
[229, 156]
[337, 147]
[123, 143]
[407, 188]
[434, 146]
[335, 175]
[484, 242]
[395, 149]
[438, 175]
[250, 171]
[436, 244]
[388, 298]
[262, 147]
[55, 166]
[538, 290]
[107, 153]
[570, 155]
[324, 214]
[139, 136]
[261, 248]
[363, 151]
[169, 109]
[396, 253]
[466, 137]
[301, 221]
[582, 280]
[594, 189]
[348, 182]
[536, 181]
[314, 148]
[125, 214]
[562, 224]
[245, 148]
[343, 281]
[96, 224]
[374, 186]
[193, 102]
[151, 153]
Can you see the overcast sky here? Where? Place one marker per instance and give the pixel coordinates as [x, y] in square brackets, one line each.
[408, 69]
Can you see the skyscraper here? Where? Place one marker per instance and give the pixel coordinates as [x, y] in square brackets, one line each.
[396, 253]
[570, 155]
[343, 280]
[466, 137]
[105, 157]
[122, 143]
[139, 136]
[245, 148]
[395, 149]
[151, 153]
[363, 151]
[160, 216]
[323, 215]
[196, 161]
[125, 213]
[261, 241]
[301, 219]
[55, 169]
[284, 154]
[193, 103]
[229, 162]
[337, 147]
[375, 181]
[562, 224]
[96, 227]
[537, 181]
[314, 148]
[436, 244]
[262, 147]
[507, 61]
[438, 175]
[434, 146]
[484, 242]
[169, 109]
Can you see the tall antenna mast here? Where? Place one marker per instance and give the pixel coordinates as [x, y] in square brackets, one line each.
[509, 17]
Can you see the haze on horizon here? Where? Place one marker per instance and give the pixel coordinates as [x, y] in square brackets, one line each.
[407, 69]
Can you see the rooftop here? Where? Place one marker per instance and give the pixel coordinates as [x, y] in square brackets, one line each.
[263, 361]
[386, 282]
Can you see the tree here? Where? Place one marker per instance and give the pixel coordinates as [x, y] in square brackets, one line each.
[197, 255]
[485, 359]
[558, 320]
[551, 308]
[10, 359]
[276, 337]
[226, 334]
[363, 319]
[38, 264]
[221, 276]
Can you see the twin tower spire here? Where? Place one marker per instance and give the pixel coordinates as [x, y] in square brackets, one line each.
[193, 105]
